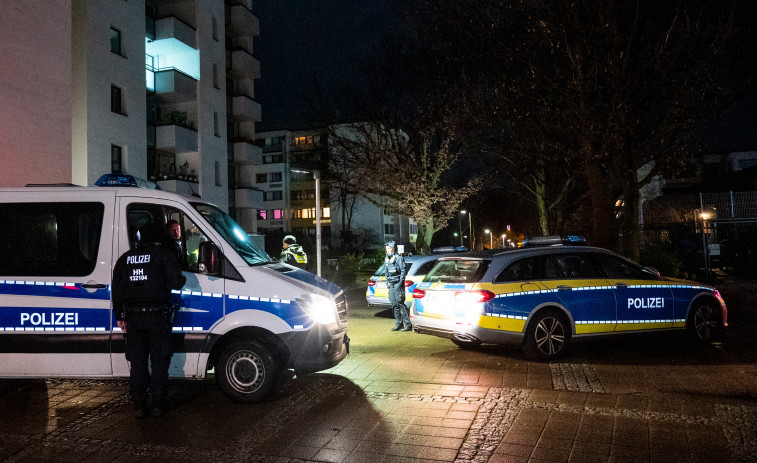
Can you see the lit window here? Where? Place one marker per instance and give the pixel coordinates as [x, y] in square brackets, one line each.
[262, 214]
[278, 213]
[308, 140]
[326, 212]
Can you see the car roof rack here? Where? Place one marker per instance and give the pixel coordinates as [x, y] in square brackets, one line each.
[555, 240]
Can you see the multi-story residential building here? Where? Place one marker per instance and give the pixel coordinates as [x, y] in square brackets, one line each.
[285, 176]
[160, 89]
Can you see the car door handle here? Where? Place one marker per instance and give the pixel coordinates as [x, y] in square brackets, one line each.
[93, 285]
[621, 285]
[564, 288]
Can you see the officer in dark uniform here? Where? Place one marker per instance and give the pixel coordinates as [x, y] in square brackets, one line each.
[142, 282]
[394, 265]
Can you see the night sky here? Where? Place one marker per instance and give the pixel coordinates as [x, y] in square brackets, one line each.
[304, 40]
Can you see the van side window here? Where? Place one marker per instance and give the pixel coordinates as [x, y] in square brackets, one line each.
[185, 248]
[50, 239]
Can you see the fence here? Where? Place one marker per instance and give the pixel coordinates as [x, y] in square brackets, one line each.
[706, 230]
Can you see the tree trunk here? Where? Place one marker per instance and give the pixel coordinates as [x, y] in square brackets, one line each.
[423, 241]
[602, 225]
[541, 202]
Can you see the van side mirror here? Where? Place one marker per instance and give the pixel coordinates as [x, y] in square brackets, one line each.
[209, 259]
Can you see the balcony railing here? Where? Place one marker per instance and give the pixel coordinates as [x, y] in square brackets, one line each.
[176, 138]
[248, 198]
[242, 21]
[244, 108]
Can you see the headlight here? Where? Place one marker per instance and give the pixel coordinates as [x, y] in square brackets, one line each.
[321, 309]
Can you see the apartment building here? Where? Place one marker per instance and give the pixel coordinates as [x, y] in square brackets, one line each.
[286, 176]
[161, 89]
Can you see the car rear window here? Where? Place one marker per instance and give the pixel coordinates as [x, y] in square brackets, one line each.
[458, 271]
[382, 270]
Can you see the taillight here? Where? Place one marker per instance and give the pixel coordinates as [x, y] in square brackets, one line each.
[418, 293]
[371, 282]
[409, 283]
[474, 296]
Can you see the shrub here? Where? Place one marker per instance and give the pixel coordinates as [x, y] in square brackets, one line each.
[662, 258]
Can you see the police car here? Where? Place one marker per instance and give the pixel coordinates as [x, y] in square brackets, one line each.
[416, 267]
[241, 315]
[549, 292]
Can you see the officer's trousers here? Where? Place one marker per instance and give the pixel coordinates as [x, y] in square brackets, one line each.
[397, 300]
[148, 337]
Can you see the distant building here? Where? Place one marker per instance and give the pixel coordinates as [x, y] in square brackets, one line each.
[163, 90]
[289, 194]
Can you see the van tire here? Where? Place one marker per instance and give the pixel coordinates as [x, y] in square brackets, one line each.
[246, 371]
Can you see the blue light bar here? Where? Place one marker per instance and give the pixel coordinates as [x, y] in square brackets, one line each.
[117, 180]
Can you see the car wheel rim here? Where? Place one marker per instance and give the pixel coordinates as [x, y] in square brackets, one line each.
[705, 322]
[245, 371]
[549, 336]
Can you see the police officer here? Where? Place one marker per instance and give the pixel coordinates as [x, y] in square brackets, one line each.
[142, 282]
[394, 265]
[292, 253]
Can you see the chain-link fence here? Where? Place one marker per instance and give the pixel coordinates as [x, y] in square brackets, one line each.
[705, 230]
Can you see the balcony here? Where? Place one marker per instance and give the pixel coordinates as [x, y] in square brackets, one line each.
[242, 22]
[176, 138]
[247, 154]
[248, 198]
[243, 65]
[244, 108]
[175, 87]
[182, 187]
[172, 27]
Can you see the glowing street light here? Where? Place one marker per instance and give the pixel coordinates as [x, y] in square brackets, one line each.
[491, 240]
[503, 240]
[470, 228]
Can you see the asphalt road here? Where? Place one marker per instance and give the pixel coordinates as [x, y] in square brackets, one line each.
[409, 397]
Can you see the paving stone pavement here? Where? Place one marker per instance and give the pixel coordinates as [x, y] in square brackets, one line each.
[403, 397]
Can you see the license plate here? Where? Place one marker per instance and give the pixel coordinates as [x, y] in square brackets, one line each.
[381, 284]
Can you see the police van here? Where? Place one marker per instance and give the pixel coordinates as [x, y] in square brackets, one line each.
[240, 315]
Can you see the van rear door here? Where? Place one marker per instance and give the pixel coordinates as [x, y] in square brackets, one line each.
[55, 257]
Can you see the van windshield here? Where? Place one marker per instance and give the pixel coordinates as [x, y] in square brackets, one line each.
[233, 234]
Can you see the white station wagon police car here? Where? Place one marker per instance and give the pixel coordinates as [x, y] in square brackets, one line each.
[240, 314]
[545, 295]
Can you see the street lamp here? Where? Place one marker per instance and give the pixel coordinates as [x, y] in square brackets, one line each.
[317, 177]
[470, 227]
[491, 240]
[503, 240]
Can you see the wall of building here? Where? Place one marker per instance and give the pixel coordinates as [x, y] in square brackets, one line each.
[35, 92]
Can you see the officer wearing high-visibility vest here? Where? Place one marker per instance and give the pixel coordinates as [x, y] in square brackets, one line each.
[394, 265]
[142, 282]
[292, 253]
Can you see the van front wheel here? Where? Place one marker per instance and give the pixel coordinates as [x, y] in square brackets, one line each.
[246, 371]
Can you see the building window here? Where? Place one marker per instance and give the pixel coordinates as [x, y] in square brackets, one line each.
[278, 213]
[116, 105]
[326, 213]
[215, 76]
[275, 176]
[216, 130]
[301, 141]
[261, 178]
[296, 195]
[413, 229]
[389, 229]
[115, 159]
[115, 41]
[272, 196]
[214, 26]
[262, 214]
[273, 159]
[218, 173]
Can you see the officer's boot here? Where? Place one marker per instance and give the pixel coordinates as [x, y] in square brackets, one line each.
[159, 406]
[140, 409]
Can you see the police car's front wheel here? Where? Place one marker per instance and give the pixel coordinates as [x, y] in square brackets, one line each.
[246, 371]
[547, 336]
